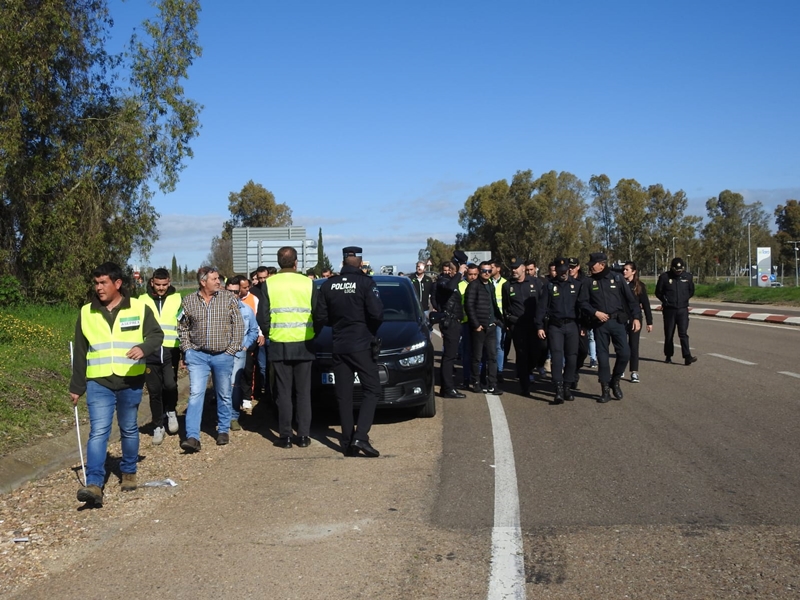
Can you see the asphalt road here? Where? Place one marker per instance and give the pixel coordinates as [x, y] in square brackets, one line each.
[687, 488]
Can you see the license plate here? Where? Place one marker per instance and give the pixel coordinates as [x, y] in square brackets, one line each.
[329, 379]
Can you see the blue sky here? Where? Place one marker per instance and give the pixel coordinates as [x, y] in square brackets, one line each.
[376, 120]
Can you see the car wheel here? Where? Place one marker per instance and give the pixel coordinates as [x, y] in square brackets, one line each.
[428, 410]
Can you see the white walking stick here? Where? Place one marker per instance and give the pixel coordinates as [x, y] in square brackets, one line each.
[78, 425]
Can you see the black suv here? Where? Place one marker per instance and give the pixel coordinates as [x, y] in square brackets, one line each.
[405, 364]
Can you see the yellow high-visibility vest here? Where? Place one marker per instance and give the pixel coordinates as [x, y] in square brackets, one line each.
[498, 293]
[167, 318]
[462, 287]
[290, 307]
[107, 346]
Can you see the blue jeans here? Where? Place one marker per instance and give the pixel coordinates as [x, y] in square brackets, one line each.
[501, 337]
[200, 364]
[237, 383]
[101, 402]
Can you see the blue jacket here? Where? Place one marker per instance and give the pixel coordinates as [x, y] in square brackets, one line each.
[250, 327]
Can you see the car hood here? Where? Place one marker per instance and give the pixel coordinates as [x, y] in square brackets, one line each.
[394, 335]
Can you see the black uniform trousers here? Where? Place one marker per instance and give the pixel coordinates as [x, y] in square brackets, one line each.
[528, 348]
[633, 342]
[583, 348]
[345, 366]
[484, 342]
[451, 334]
[162, 386]
[289, 375]
[676, 317]
[563, 351]
[605, 333]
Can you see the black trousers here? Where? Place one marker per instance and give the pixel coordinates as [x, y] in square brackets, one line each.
[605, 333]
[345, 366]
[451, 334]
[676, 317]
[528, 349]
[293, 375]
[563, 351]
[583, 348]
[633, 343]
[162, 386]
[484, 341]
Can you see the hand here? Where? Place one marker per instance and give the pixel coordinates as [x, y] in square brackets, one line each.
[479, 328]
[637, 325]
[135, 353]
[74, 398]
[261, 340]
[182, 365]
[462, 268]
[601, 316]
[649, 328]
[542, 335]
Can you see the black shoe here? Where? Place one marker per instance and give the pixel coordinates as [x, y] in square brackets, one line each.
[568, 396]
[668, 360]
[616, 389]
[689, 360]
[574, 384]
[223, 439]
[478, 389]
[605, 393]
[190, 445]
[559, 388]
[454, 393]
[496, 391]
[283, 442]
[365, 447]
[303, 441]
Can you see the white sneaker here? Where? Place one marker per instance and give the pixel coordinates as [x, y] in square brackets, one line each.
[592, 364]
[158, 436]
[634, 377]
[172, 422]
[247, 405]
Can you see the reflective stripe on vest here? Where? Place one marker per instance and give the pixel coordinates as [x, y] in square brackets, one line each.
[462, 287]
[167, 318]
[107, 347]
[498, 293]
[290, 307]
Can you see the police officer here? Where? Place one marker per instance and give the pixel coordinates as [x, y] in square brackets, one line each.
[557, 319]
[447, 302]
[583, 323]
[674, 288]
[520, 299]
[608, 299]
[351, 305]
[289, 297]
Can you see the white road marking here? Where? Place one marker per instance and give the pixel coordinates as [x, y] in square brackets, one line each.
[748, 323]
[507, 578]
[737, 360]
[789, 373]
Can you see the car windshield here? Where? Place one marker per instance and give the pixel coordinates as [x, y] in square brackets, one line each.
[398, 301]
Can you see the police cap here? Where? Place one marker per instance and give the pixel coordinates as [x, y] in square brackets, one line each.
[597, 257]
[677, 264]
[460, 257]
[516, 263]
[351, 251]
[562, 265]
[573, 262]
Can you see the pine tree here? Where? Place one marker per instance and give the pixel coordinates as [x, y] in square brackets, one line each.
[175, 271]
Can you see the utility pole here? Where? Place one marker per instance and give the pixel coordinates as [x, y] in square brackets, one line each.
[796, 277]
[749, 258]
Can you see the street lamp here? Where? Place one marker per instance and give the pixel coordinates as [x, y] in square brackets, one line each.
[749, 258]
[655, 262]
[795, 242]
[673, 246]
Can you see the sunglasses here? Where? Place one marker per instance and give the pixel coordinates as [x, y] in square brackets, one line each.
[486, 270]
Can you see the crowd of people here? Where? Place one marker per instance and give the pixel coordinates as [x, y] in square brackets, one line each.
[562, 319]
[229, 330]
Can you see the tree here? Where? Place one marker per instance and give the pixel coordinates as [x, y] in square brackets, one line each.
[323, 262]
[86, 134]
[668, 220]
[479, 217]
[631, 220]
[255, 206]
[174, 270]
[437, 252]
[221, 255]
[603, 203]
[787, 218]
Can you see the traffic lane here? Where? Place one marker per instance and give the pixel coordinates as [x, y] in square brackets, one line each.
[690, 444]
[770, 346]
[773, 309]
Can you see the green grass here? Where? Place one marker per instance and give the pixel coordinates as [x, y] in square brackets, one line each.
[729, 292]
[34, 374]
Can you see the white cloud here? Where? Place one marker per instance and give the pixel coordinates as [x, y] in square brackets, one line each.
[188, 237]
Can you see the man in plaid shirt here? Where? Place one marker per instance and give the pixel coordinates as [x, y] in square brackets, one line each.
[211, 330]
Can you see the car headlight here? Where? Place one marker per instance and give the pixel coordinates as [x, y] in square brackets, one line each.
[412, 361]
[417, 346]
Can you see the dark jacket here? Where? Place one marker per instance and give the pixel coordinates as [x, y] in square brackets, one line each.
[446, 297]
[481, 305]
[351, 305]
[675, 290]
[520, 299]
[423, 289]
[644, 301]
[559, 301]
[608, 292]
